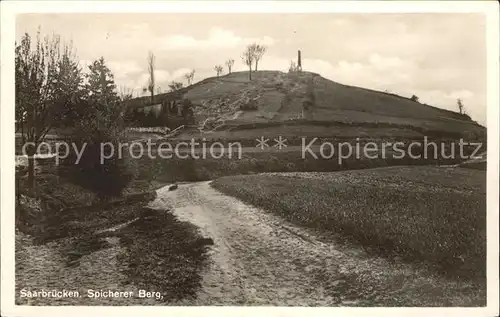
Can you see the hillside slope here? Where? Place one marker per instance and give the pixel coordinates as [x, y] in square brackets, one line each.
[277, 97]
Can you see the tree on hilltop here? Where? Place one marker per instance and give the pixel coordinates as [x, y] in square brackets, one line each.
[175, 85]
[248, 57]
[218, 69]
[460, 106]
[229, 64]
[189, 77]
[258, 51]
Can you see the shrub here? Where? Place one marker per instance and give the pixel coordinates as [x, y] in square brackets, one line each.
[466, 116]
[250, 106]
[99, 129]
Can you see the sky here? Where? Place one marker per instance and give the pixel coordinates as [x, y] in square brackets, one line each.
[438, 57]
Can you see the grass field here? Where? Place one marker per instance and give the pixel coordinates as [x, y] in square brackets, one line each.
[431, 214]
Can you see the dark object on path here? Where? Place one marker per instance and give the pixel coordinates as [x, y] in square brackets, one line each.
[150, 213]
[173, 187]
[203, 242]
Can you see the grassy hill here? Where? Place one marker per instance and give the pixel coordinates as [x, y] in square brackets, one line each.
[274, 98]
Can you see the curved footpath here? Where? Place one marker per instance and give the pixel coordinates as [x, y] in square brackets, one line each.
[259, 259]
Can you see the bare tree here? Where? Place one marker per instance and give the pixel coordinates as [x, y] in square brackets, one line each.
[293, 67]
[248, 58]
[189, 77]
[229, 64]
[460, 106]
[151, 70]
[258, 51]
[175, 85]
[125, 93]
[46, 77]
[218, 69]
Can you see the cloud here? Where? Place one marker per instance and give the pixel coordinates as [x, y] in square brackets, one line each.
[385, 62]
[379, 72]
[163, 76]
[136, 28]
[448, 100]
[124, 68]
[218, 38]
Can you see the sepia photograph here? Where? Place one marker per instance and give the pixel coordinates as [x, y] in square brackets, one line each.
[185, 155]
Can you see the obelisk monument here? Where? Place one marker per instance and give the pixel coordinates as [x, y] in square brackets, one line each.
[299, 61]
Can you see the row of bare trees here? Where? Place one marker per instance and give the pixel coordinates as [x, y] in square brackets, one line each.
[229, 64]
[251, 56]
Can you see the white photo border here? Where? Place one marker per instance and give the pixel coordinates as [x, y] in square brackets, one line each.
[8, 11]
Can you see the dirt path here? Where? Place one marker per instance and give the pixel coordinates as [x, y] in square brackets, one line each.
[258, 259]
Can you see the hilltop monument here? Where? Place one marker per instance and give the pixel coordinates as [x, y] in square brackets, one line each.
[299, 61]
